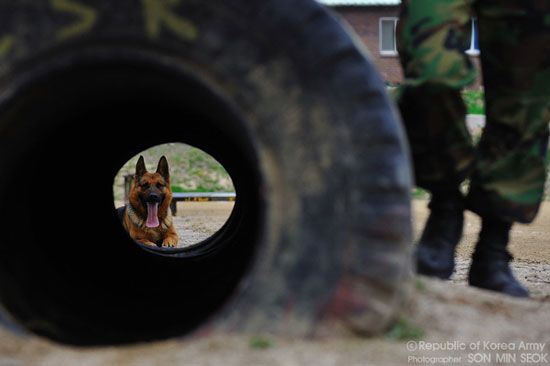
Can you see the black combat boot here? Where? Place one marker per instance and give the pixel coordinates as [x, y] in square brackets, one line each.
[436, 249]
[490, 267]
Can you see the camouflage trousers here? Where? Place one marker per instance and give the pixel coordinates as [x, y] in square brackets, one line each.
[507, 167]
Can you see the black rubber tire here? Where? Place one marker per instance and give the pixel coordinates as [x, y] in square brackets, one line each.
[275, 90]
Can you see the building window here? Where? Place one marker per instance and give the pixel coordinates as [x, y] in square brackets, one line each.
[474, 41]
[387, 36]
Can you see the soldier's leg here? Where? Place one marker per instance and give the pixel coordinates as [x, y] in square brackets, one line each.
[432, 37]
[508, 183]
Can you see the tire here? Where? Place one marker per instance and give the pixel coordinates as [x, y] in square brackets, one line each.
[275, 90]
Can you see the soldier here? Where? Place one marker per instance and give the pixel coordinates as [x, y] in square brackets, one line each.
[507, 168]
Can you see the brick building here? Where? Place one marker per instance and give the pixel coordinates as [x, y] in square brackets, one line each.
[374, 21]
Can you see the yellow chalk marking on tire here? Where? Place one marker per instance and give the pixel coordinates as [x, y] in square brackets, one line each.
[160, 12]
[87, 18]
[6, 44]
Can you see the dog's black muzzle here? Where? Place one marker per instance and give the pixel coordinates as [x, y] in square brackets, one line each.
[152, 197]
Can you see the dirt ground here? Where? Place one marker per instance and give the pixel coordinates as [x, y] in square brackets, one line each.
[442, 322]
[530, 246]
[196, 221]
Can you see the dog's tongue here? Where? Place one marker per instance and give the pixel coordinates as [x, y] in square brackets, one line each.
[152, 215]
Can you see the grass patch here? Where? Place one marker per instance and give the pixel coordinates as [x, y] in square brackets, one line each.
[475, 104]
[260, 343]
[178, 189]
[419, 284]
[199, 189]
[402, 330]
[420, 194]
[473, 99]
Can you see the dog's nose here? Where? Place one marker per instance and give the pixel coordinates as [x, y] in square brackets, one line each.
[153, 198]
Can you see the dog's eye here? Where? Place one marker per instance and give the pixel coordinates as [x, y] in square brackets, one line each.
[160, 185]
[145, 186]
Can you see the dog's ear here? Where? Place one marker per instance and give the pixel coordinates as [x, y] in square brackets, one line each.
[163, 169]
[140, 167]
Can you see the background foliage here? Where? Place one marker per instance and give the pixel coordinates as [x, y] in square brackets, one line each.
[191, 170]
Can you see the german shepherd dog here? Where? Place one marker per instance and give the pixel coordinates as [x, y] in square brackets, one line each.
[146, 217]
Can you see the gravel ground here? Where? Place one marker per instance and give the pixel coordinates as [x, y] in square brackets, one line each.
[196, 221]
[530, 246]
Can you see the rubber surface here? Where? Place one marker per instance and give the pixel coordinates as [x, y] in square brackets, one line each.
[276, 90]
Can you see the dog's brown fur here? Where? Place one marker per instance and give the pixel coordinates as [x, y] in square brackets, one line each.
[135, 214]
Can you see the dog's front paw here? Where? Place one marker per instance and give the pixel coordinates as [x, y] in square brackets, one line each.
[170, 242]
